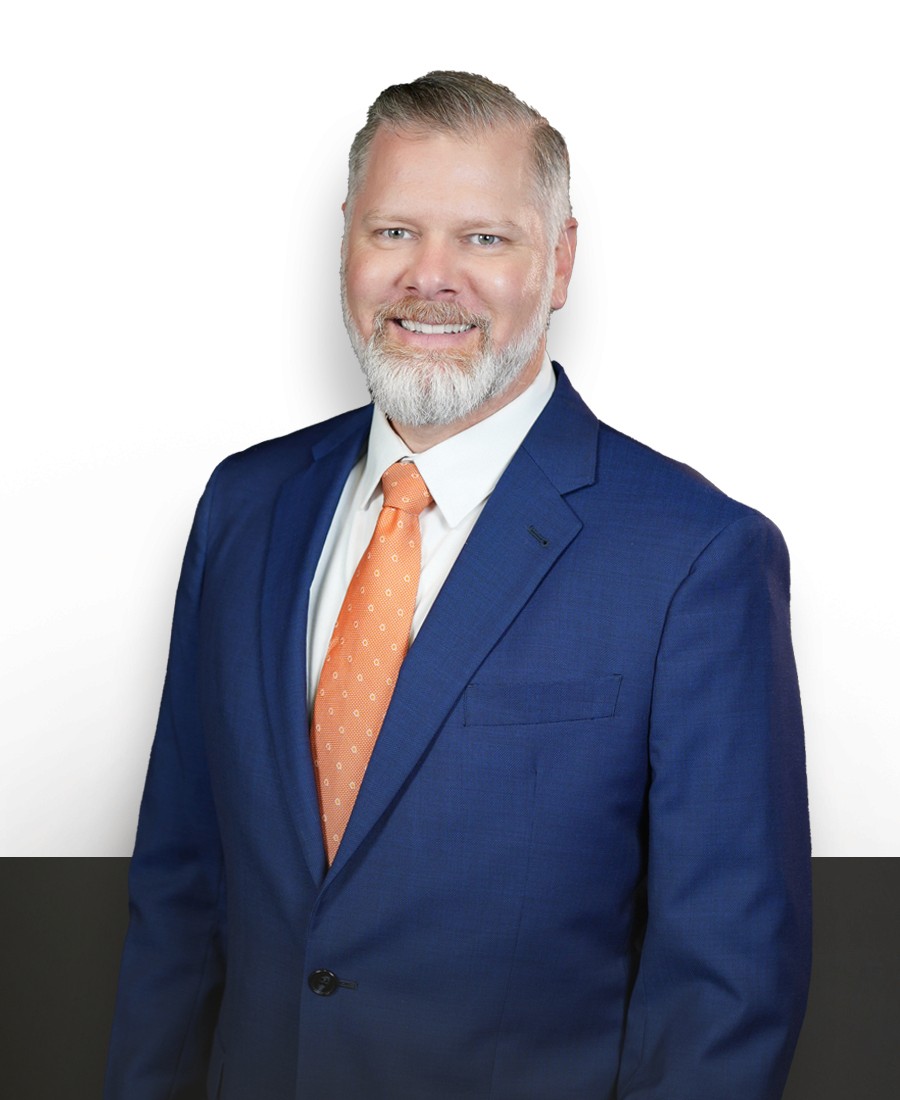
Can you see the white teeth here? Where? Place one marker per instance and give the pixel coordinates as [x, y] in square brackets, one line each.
[416, 326]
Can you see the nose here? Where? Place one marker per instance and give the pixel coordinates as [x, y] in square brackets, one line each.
[433, 269]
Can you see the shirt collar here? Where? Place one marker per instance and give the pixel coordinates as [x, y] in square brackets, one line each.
[462, 471]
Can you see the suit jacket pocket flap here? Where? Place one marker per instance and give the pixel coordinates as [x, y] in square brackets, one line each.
[515, 704]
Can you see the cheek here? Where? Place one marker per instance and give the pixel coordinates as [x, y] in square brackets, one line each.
[370, 284]
[514, 296]
[360, 291]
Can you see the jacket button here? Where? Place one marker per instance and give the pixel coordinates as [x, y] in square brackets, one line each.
[323, 982]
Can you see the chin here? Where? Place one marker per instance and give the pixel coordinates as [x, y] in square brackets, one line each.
[432, 388]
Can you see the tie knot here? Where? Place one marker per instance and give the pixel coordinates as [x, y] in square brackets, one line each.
[404, 488]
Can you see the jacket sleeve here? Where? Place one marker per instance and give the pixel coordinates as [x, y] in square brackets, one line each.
[724, 968]
[172, 967]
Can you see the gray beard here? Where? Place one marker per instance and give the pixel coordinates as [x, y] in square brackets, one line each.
[441, 387]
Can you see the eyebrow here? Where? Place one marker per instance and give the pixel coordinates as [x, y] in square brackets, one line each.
[490, 223]
[378, 216]
[470, 224]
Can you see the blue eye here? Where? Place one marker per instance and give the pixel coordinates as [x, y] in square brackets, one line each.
[486, 239]
[394, 234]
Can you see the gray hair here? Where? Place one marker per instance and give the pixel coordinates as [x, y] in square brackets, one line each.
[468, 105]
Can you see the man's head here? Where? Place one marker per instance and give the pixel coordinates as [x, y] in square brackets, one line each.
[466, 106]
[458, 243]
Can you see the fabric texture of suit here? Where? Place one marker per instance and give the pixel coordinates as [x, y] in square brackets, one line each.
[578, 865]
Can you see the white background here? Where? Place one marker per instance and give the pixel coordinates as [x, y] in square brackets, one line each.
[169, 231]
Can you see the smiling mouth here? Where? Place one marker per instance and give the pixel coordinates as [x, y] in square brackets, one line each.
[431, 330]
[412, 323]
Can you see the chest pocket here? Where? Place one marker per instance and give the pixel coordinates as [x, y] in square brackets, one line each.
[529, 702]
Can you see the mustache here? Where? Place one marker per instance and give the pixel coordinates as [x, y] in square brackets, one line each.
[428, 313]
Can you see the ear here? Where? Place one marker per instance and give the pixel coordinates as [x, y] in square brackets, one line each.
[564, 259]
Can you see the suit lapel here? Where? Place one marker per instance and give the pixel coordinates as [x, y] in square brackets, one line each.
[303, 514]
[526, 524]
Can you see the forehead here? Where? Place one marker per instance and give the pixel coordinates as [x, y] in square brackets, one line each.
[485, 173]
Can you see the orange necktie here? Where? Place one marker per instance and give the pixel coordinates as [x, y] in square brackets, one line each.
[368, 645]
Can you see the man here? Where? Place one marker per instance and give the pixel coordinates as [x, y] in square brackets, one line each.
[479, 771]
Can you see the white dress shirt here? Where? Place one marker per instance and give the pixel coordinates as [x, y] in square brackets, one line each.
[460, 473]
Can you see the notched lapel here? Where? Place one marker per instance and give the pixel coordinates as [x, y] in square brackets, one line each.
[303, 514]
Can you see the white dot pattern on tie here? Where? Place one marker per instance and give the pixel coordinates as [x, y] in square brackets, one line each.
[367, 647]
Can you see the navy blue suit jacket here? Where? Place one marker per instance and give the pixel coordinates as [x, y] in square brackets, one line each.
[578, 866]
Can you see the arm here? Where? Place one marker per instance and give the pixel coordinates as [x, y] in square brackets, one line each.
[172, 965]
[724, 969]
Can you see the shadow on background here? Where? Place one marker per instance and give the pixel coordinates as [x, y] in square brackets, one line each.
[62, 922]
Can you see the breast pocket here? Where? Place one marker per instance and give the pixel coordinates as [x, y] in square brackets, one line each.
[530, 702]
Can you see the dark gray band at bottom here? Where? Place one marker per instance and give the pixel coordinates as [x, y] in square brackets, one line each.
[62, 922]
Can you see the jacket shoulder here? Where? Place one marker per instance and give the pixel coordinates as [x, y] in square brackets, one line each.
[272, 461]
[647, 494]
[620, 452]
[296, 449]
[665, 500]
